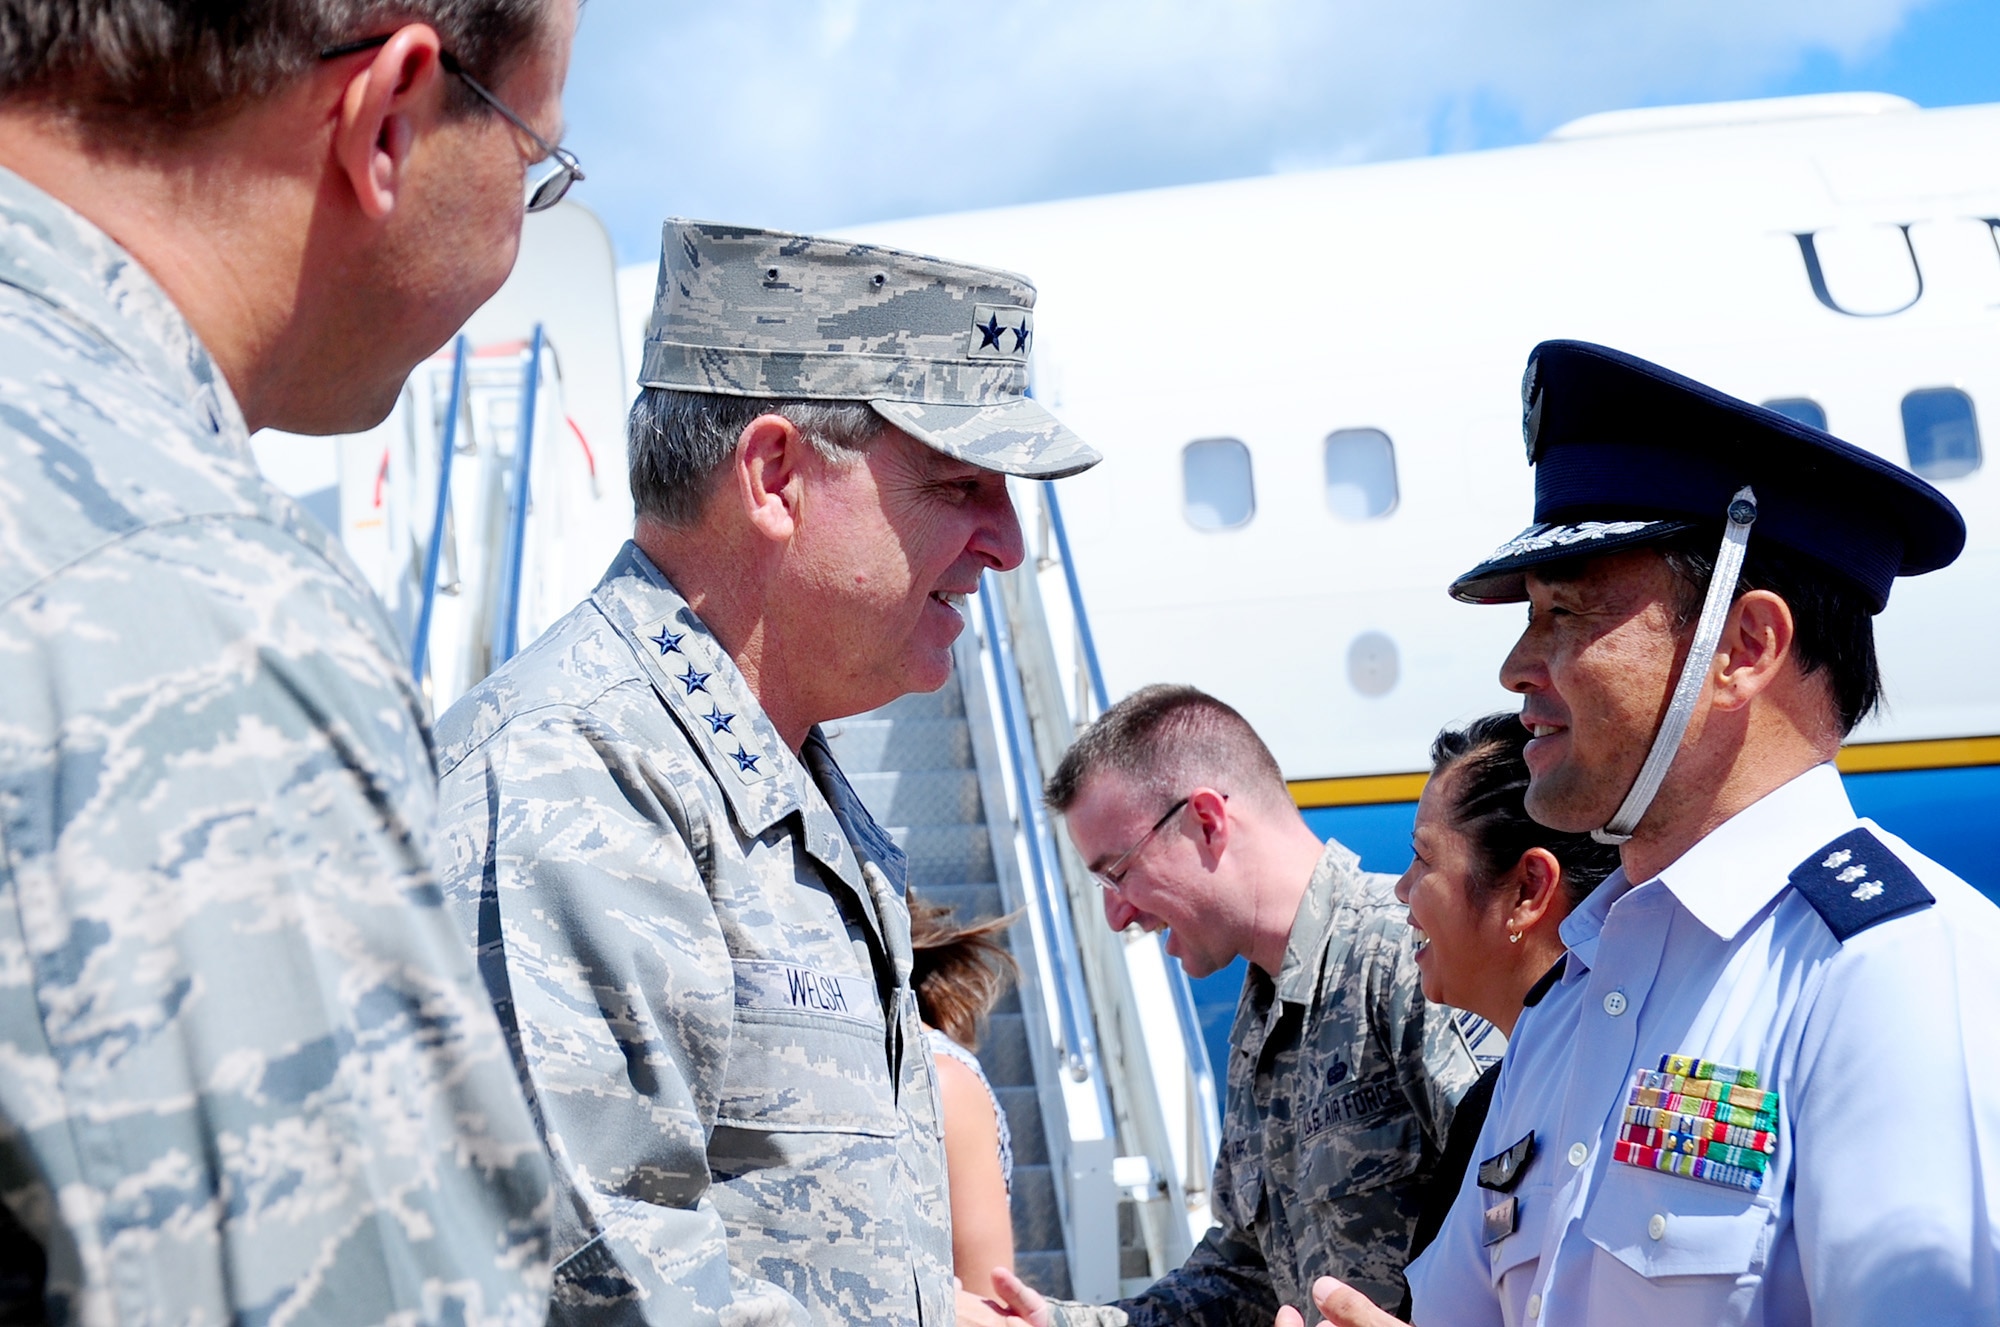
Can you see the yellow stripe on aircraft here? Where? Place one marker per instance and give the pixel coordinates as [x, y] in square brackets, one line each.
[1941, 753]
[1865, 758]
[1364, 790]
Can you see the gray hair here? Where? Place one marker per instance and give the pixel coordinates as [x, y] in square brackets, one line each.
[679, 441]
[153, 68]
[1170, 740]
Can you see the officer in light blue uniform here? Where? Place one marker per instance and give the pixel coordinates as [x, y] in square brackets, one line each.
[1765, 1087]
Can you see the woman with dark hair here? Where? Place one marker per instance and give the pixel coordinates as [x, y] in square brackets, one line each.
[960, 973]
[1487, 890]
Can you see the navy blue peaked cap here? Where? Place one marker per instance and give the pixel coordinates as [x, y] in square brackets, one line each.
[1627, 453]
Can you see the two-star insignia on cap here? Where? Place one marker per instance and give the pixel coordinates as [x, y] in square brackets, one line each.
[1001, 332]
[993, 329]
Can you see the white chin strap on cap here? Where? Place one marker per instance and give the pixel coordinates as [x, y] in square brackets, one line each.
[1694, 672]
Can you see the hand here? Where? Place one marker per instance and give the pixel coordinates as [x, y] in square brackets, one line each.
[1289, 1317]
[976, 1312]
[1344, 1306]
[1019, 1304]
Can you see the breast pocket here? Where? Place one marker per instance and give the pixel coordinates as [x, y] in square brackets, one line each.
[1513, 1258]
[1697, 1244]
[809, 1055]
[1361, 1147]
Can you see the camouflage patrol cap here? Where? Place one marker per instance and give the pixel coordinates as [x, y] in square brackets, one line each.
[938, 349]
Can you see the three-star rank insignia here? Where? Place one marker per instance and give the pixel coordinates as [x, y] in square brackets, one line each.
[1001, 331]
[1856, 882]
[721, 717]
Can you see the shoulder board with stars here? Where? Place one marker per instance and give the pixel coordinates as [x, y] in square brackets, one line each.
[714, 709]
[1856, 882]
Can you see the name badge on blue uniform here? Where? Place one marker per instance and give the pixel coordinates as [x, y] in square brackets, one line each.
[1500, 1174]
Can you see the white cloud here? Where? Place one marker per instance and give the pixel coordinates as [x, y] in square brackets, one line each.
[811, 115]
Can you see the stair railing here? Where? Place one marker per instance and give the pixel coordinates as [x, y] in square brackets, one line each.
[420, 645]
[1203, 1113]
[507, 622]
[1079, 1041]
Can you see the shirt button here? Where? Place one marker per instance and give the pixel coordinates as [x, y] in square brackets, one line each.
[1534, 1306]
[1657, 1227]
[1614, 1003]
[1579, 1153]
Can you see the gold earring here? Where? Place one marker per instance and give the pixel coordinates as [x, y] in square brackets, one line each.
[1513, 937]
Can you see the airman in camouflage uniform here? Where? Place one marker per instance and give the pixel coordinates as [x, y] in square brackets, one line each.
[1341, 1077]
[697, 938]
[247, 1072]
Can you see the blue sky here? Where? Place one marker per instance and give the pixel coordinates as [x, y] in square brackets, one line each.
[812, 114]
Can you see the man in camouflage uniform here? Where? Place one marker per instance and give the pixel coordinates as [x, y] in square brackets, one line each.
[246, 1069]
[1342, 1079]
[697, 938]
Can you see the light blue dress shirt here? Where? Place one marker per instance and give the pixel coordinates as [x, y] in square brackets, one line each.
[1881, 1203]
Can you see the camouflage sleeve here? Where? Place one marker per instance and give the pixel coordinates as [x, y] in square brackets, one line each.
[246, 1070]
[1222, 1284]
[572, 856]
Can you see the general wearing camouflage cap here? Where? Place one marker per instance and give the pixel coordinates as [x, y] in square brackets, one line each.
[939, 349]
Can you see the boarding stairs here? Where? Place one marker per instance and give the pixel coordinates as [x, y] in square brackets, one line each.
[1097, 1055]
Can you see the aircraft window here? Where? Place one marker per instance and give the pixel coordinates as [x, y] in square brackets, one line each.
[1360, 474]
[1941, 432]
[1801, 408]
[1216, 491]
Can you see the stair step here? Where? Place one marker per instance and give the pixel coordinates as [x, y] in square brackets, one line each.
[1046, 1272]
[921, 797]
[871, 746]
[945, 854]
[1037, 1222]
[1024, 1121]
[1133, 1259]
[947, 702]
[968, 902]
[1003, 1051]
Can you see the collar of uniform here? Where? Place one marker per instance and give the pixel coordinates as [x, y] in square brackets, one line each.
[1581, 928]
[858, 826]
[56, 255]
[704, 691]
[1728, 877]
[1336, 880]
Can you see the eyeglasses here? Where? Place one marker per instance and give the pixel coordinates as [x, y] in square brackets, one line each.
[1113, 876]
[544, 192]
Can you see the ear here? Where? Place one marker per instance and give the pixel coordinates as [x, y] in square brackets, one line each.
[384, 105]
[1534, 884]
[1211, 816]
[1756, 642]
[769, 464]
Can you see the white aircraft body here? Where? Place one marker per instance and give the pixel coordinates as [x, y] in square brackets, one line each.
[1306, 390]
